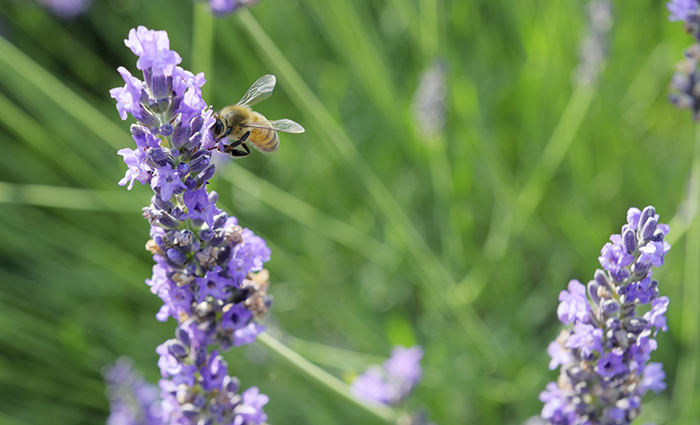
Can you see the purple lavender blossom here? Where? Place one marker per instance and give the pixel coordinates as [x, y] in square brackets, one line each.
[392, 383]
[208, 270]
[574, 304]
[67, 8]
[132, 400]
[604, 351]
[682, 10]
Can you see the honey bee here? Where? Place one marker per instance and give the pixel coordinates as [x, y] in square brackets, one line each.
[243, 125]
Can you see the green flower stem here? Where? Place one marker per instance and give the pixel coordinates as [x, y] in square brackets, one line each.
[324, 379]
[685, 384]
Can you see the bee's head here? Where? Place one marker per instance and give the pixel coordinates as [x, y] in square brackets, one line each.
[219, 131]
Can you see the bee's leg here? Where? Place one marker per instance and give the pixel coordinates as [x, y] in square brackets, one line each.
[237, 153]
[238, 142]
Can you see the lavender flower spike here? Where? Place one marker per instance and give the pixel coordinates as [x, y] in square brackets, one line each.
[605, 349]
[208, 270]
[393, 382]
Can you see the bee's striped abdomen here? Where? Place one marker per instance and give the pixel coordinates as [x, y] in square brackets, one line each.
[264, 139]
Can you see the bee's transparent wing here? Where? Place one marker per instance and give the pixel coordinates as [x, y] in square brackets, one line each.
[260, 90]
[287, 126]
[284, 125]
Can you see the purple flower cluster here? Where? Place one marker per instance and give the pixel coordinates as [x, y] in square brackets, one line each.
[393, 382]
[225, 7]
[685, 83]
[132, 400]
[208, 270]
[683, 10]
[604, 351]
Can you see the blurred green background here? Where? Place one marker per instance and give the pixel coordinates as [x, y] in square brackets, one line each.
[383, 230]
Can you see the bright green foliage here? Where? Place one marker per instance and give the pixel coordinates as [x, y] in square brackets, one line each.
[459, 240]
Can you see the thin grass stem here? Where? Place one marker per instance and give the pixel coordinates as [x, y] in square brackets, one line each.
[684, 387]
[323, 379]
[203, 42]
[69, 198]
[532, 192]
[304, 213]
[14, 60]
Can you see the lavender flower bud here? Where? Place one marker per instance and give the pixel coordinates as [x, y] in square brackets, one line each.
[167, 221]
[641, 268]
[636, 324]
[647, 213]
[232, 384]
[219, 220]
[178, 350]
[181, 135]
[182, 336]
[175, 103]
[610, 307]
[160, 157]
[205, 175]
[166, 129]
[176, 256]
[162, 205]
[630, 239]
[592, 290]
[649, 229]
[189, 410]
[190, 183]
[148, 119]
[602, 280]
[198, 163]
[160, 87]
[206, 235]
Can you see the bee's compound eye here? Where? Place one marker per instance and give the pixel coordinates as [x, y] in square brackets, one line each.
[218, 128]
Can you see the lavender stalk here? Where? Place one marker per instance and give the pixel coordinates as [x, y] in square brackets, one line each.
[208, 270]
[605, 349]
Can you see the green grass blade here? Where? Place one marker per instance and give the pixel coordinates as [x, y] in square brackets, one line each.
[324, 379]
[343, 26]
[69, 197]
[33, 134]
[14, 60]
[685, 408]
[203, 42]
[304, 213]
[532, 192]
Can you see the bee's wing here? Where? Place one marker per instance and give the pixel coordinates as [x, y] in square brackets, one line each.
[287, 126]
[260, 90]
[284, 125]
